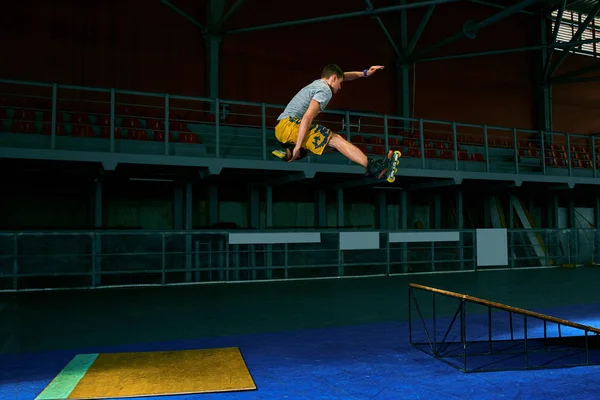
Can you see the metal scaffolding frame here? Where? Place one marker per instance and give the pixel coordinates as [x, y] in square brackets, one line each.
[215, 29]
[216, 25]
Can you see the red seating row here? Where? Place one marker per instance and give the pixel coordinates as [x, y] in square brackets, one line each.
[101, 120]
[564, 163]
[445, 141]
[435, 145]
[81, 126]
[190, 110]
[411, 148]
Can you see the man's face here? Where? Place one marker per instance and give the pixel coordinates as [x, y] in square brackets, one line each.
[335, 83]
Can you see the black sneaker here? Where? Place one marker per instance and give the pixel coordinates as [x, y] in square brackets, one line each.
[379, 168]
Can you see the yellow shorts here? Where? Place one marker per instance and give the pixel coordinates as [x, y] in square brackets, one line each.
[316, 138]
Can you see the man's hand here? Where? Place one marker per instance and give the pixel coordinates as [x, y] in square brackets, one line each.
[352, 75]
[309, 115]
[374, 69]
[295, 154]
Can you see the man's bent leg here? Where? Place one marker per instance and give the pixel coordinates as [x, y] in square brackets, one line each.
[374, 168]
[349, 150]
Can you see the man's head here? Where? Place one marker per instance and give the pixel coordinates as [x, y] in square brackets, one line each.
[333, 75]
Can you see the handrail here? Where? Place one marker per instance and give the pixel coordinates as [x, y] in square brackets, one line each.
[210, 231]
[505, 307]
[259, 104]
[532, 145]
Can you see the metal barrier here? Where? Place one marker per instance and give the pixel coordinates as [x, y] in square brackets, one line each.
[131, 122]
[535, 247]
[40, 260]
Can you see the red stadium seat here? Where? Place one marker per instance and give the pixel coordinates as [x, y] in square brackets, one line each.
[379, 150]
[188, 137]
[137, 134]
[478, 157]
[130, 122]
[177, 126]
[24, 115]
[155, 125]
[47, 129]
[159, 136]
[393, 142]
[79, 119]
[22, 127]
[105, 132]
[82, 131]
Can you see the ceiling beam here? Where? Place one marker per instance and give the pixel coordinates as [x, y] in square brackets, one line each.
[471, 28]
[184, 15]
[511, 50]
[572, 74]
[353, 14]
[576, 37]
[561, 11]
[384, 29]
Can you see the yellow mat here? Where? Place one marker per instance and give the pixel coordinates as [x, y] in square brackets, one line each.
[114, 375]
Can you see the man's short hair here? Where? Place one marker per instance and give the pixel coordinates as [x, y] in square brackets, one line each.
[332, 69]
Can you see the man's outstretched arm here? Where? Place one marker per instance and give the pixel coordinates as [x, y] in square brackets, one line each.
[352, 75]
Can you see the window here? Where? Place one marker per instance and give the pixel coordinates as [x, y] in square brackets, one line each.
[569, 25]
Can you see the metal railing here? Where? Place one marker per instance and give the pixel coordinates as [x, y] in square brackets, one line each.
[122, 121]
[53, 260]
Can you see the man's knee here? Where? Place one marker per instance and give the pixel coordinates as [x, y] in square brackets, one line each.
[335, 140]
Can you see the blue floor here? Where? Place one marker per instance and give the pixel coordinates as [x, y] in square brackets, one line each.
[373, 361]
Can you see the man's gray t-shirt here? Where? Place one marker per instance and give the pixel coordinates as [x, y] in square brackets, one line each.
[318, 90]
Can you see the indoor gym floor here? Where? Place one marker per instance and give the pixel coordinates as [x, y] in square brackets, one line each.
[301, 340]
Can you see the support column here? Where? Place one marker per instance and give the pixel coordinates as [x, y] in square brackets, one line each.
[460, 225]
[403, 209]
[597, 213]
[437, 211]
[98, 198]
[213, 39]
[571, 218]
[213, 44]
[550, 217]
[213, 205]
[254, 208]
[403, 94]
[321, 209]
[511, 211]
[573, 237]
[178, 214]
[403, 73]
[187, 225]
[459, 210]
[543, 90]
[404, 225]
[381, 206]
[487, 221]
[269, 225]
[555, 206]
[340, 208]
[511, 235]
[96, 240]
[596, 225]
[189, 206]
[269, 206]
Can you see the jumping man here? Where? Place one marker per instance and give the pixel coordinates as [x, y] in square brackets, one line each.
[297, 132]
